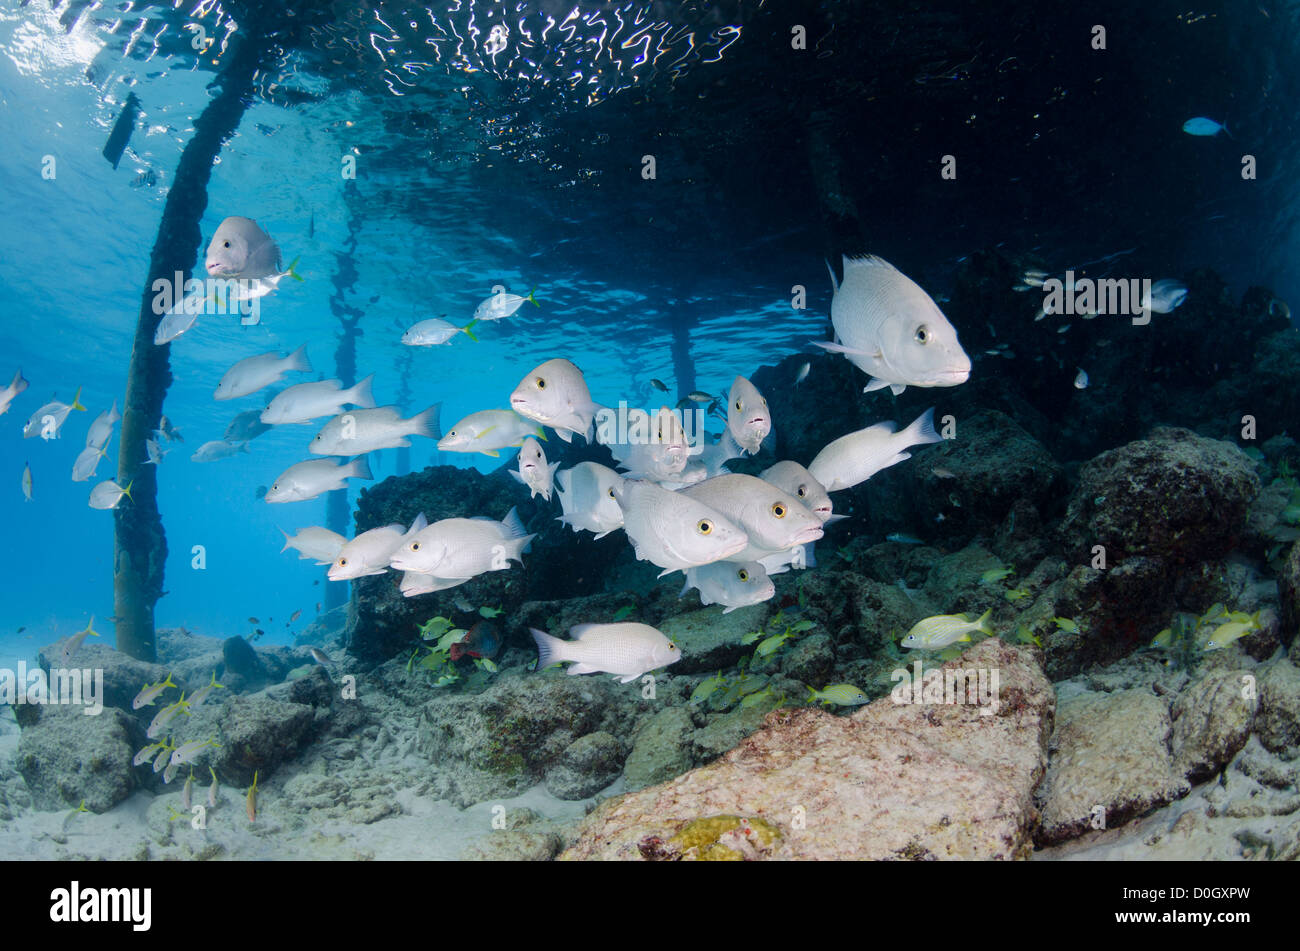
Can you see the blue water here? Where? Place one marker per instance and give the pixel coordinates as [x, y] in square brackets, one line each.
[498, 196]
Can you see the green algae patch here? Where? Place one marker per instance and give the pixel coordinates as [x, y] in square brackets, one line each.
[724, 839]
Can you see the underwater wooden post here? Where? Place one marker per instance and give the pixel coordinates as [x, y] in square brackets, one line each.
[140, 544]
[337, 511]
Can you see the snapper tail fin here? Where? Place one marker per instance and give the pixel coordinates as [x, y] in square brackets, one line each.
[468, 331]
[298, 360]
[922, 430]
[76, 401]
[427, 424]
[362, 394]
[550, 650]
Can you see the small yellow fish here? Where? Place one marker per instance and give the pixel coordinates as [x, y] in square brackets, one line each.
[1067, 624]
[1163, 639]
[842, 695]
[943, 630]
[1016, 594]
[1027, 636]
[1226, 633]
[997, 574]
[252, 797]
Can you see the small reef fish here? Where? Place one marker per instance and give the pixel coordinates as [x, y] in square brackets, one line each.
[182, 317]
[200, 695]
[213, 789]
[1233, 630]
[731, 584]
[901, 539]
[488, 431]
[803, 372]
[75, 641]
[306, 480]
[534, 471]
[707, 687]
[108, 494]
[1016, 594]
[587, 498]
[257, 372]
[188, 752]
[502, 305]
[148, 753]
[1081, 379]
[1067, 624]
[939, 472]
[166, 715]
[659, 385]
[772, 644]
[359, 431]
[295, 615]
[748, 419]
[154, 451]
[626, 650]
[250, 800]
[892, 330]
[942, 630]
[855, 458]
[435, 331]
[27, 481]
[216, 449]
[67, 820]
[841, 695]
[55, 412]
[555, 394]
[303, 402]
[165, 754]
[149, 693]
[994, 575]
[101, 430]
[171, 433]
[483, 640]
[187, 793]
[314, 542]
[1203, 126]
[321, 657]
[7, 395]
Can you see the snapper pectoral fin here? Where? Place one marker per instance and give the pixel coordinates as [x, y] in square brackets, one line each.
[840, 348]
[581, 668]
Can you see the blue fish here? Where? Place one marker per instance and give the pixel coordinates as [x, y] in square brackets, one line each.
[1203, 126]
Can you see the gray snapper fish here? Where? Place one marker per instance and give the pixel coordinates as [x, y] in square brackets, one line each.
[7, 395]
[673, 530]
[370, 552]
[254, 373]
[772, 519]
[306, 480]
[86, 464]
[1165, 296]
[729, 583]
[587, 498]
[534, 471]
[891, 329]
[315, 543]
[626, 650]
[240, 249]
[216, 449]
[748, 419]
[488, 431]
[303, 402]
[464, 547]
[245, 427]
[660, 452]
[359, 431]
[855, 458]
[793, 478]
[555, 394]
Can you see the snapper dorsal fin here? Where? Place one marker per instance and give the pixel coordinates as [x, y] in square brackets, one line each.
[513, 525]
[865, 261]
[835, 285]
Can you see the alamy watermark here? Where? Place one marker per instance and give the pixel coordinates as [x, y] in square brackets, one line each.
[1087, 297]
[208, 297]
[976, 686]
[622, 426]
[62, 685]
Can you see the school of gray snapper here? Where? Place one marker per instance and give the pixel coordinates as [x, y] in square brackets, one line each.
[680, 507]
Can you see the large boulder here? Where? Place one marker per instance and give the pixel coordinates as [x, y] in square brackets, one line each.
[66, 756]
[891, 781]
[1110, 763]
